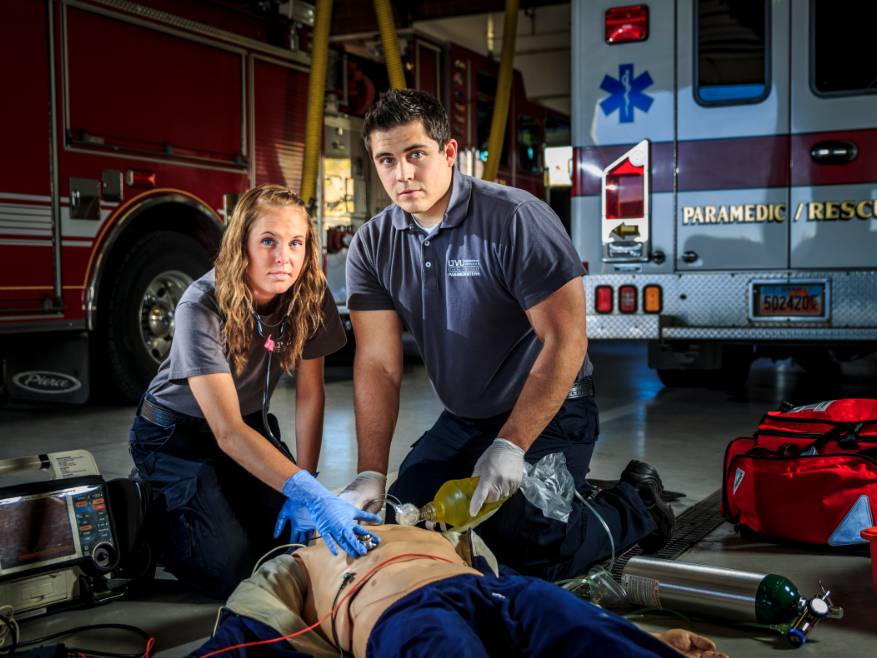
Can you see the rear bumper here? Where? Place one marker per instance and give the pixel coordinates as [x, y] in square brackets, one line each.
[716, 306]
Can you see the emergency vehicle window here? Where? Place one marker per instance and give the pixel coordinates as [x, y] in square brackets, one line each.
[731, 58]
[557, 132]
[528, 145]
[485, 88]
[850, 68]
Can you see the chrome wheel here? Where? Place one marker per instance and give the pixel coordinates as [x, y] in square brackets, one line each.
[157, 306]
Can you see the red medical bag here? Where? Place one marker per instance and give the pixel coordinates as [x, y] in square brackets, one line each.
[809, 474]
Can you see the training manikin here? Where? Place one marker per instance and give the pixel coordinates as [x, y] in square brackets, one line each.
[414, 593]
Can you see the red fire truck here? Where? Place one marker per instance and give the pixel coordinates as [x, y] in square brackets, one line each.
[129, 132]
[132, 130]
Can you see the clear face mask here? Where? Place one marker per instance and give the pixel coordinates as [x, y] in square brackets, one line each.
[407, 514]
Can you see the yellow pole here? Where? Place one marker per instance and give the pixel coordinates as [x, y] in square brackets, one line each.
[384, 13]
[316, 97]
[503, 91]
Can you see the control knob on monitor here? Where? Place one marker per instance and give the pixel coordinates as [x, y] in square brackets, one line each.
[104, 557]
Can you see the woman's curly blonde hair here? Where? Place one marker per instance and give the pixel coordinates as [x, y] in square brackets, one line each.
[301, 304]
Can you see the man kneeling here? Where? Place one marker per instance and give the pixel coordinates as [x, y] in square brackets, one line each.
[415, 595]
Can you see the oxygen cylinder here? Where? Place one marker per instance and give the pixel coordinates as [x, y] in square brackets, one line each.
[726, 594]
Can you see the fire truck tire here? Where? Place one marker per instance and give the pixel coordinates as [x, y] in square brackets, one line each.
[139, 323]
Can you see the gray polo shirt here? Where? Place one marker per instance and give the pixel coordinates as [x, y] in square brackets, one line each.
[462, 291]
[197, 349]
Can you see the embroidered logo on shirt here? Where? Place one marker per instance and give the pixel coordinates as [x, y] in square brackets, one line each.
[464, 267]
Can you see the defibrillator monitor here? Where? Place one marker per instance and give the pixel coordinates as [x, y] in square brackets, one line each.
[51, 524]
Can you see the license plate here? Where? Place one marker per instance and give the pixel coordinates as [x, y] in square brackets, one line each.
[789, 300]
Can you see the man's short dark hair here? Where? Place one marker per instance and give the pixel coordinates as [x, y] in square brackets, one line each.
[397, 107]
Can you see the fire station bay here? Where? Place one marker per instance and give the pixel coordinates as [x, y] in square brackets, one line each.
[408, 328]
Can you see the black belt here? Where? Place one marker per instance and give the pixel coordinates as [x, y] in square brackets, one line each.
[165, 417]
[582, 388]
[154, 412]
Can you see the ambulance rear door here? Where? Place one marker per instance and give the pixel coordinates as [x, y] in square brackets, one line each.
[623, 120]
[834, 135]
[732, 126]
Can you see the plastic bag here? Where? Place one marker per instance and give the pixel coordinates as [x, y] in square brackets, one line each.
[548, 485]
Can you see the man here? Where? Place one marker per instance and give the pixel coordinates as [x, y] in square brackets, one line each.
[489, 284]
[415, 595]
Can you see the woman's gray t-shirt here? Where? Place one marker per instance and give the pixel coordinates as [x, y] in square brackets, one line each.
[197, 350]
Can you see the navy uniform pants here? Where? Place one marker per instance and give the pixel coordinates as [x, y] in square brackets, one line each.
[513, 616]
[472, 617]
[212, 520]
[519, 534]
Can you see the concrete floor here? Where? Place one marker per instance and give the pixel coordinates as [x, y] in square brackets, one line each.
[682, 432]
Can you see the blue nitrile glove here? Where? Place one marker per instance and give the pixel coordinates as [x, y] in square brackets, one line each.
[302, 537]
[310, 506]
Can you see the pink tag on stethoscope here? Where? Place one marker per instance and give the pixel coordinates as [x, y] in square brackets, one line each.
[269, 344]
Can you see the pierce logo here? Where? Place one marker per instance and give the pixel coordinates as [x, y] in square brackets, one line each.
[45, 381]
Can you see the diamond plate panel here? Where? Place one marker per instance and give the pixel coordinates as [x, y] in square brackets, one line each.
[715, 306]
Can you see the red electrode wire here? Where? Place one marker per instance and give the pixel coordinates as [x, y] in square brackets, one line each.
[352, 591]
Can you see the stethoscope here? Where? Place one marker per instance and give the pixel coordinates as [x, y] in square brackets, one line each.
[271, 343]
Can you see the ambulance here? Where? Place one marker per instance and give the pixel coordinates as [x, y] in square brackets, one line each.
[725, 180]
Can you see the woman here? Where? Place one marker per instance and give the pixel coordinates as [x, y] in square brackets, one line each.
[202, 437]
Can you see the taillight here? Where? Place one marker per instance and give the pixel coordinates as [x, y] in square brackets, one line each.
[627, 299]
[603, 299]
[626, 24]
[652, 298]
[625, 191]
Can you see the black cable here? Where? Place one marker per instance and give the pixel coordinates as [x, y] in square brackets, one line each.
[93, 627]
[12, 634]
[102, 654]
[348, 576]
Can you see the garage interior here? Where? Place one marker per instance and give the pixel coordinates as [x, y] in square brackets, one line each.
[682, 431]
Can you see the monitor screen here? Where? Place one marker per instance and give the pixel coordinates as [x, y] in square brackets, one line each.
[34, 529]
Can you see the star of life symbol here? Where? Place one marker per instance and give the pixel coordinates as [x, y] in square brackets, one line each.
[626, 93]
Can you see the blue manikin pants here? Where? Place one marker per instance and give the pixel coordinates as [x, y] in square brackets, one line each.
[512, 616]
[234, 629]
[470, 616]
[519, 534]
[212, 520]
